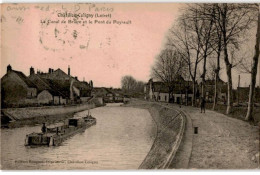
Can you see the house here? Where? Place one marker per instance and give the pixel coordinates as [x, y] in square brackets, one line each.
[113, 95]
[210, 90]
[159, 91]
[59, 82]
[109, 97]
[51, 97]
[17, 89]
[48, 92]
[98, 92]
[118, 97]
[241, 94]
[53, 87]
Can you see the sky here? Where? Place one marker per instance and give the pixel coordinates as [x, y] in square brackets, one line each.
[101, 52]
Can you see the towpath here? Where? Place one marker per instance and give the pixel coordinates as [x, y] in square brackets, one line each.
[221, 143]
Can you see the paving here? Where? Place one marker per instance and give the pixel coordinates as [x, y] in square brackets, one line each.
[221, 142]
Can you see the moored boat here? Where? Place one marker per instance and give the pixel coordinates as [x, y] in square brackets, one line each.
[89, 118]
[55, 136]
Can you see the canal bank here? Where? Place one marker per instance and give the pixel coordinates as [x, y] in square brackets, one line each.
[50, 114]
[170, 125]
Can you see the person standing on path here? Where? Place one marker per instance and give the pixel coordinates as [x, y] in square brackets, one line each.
[44, 129]
[202, 104]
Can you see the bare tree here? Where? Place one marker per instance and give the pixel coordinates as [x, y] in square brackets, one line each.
[167, 68]
[233, 20]
[249, 115]
[128, 83]
[185, 37]
[204, 16]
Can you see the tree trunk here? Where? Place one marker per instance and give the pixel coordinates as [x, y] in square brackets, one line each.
[249, 115]
[203, 91]
[186, 97]
[193, 93]
[227, 63]
[229, 76]
[216, 89]
[169, 97]
[229, 88]
[217, 73]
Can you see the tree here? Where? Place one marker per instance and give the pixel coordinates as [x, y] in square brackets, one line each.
[249, 115]
[204, 16]
[185, 38]
[233, 21]
[167, 68]
[128, 83]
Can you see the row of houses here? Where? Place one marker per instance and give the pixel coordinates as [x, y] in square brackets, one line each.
[54, 87]
[182, 91]
[109, 95]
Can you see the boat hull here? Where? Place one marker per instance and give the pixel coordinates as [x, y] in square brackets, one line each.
[53, 138]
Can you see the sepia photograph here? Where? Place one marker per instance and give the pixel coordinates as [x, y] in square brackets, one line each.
[130, 86]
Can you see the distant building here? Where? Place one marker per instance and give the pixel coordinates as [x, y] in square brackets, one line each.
[16, 88]
[99, 92]
[159, 91]
[210, 90]
[241, 94]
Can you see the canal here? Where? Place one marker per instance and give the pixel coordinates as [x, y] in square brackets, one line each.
[121, 139]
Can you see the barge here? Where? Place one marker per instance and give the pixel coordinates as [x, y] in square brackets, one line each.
[55, 136]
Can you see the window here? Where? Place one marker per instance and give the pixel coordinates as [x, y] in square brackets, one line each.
[159, 97]
[165, 98]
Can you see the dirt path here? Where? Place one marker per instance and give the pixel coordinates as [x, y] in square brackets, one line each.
[222, 142]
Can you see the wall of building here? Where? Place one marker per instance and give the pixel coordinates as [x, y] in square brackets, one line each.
[163, 97]
[31, 92]
[84, 99]
[45, 97]
[76, 90]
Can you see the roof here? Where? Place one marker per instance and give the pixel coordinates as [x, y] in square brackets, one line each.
[160, 87]
[25, 79]
[47, 84]
[99, 91]
[54, 92]
[40, 83]
[212, 82]
[177, 88]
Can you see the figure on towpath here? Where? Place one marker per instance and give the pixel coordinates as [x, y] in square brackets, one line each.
[44, 128]
[202, 104]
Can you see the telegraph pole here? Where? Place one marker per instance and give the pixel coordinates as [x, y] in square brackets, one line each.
[238, 85]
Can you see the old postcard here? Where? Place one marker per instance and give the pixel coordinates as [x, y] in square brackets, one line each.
[93, 86]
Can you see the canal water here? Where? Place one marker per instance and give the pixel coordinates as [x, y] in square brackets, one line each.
[121, 139]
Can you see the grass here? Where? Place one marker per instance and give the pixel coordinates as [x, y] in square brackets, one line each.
[237, 112]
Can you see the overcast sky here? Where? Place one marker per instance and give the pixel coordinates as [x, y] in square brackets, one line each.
[99, 52]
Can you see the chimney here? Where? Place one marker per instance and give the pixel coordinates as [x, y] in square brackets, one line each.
[91, 83]
[76, 78]
[32, 71]
[69, 70]
[9, 68]
[49, 70]
[83, 79]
